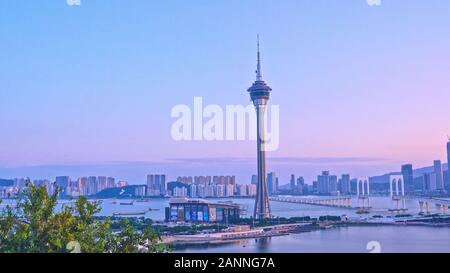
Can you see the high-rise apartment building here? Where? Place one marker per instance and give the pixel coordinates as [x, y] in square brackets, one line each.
[344, 184]
[156, 184]
[254, 179]
[292, 183]
[408, 178]
[101, 183]
[62, 182]
[326, 183]
[251, 190]
[92, 185]
[272, 183]
[439, 175]
[300, 187]
[448, 166]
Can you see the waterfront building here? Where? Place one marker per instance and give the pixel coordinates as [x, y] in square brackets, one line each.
[408, 178]
[230, 190]
[201, 190]
[92, 185]
[327, 184]
[292, 183]
[419, 183]
[430, 182]
[7, 191]
[185, 179]
[251, 190]
[193, 191]
[448, 166]
[219, 191]
[219, 180]
[44, 183]
[300, 188]
[255, 179]
[205, 191]
[110, 182]
[333, 180]
[231, 180]
[447, 179]
[439, 175]
[242, 190]
[19, 183]
[101, 183]
[205, 180]
[344, 184]
[447, 173]
[62, 182]
[82, 185]
[180, 192]
[156, 184]
[315, 186]
[322, 183]
[194, 210]
[210, 191]
[140, 190]
[272, 183]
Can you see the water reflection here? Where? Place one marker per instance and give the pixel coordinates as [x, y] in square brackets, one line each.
[263, 244]
[392, 239]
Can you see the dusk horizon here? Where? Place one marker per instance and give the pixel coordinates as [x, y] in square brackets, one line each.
[135, 172]
[239, 130]
[102, 106]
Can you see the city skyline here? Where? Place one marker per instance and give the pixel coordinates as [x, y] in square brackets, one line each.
[135, 172]
[205, 133]
[138, 174]
[55, 115]
[431, 180]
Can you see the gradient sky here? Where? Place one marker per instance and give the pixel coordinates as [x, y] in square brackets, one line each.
[95, 83]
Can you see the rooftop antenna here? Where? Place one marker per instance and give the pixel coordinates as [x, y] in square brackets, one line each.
[258, 68]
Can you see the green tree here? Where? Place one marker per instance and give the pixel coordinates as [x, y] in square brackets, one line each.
[34, 224]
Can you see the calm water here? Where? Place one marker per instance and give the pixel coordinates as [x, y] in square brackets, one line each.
[351, 239]
[338, 240]
[380, 206]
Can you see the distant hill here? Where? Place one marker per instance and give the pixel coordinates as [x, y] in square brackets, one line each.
[6, 182]
[122, 192]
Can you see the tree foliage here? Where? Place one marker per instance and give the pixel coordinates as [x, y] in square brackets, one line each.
[36, 224]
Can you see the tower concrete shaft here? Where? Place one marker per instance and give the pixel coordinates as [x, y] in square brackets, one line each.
[259, 94]
[262, 205]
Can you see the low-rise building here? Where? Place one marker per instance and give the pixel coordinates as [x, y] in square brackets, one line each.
[196, 210]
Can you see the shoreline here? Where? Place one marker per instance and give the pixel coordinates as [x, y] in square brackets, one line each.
[207, 238]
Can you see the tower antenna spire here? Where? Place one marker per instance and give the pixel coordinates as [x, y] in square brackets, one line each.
[258, 68]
